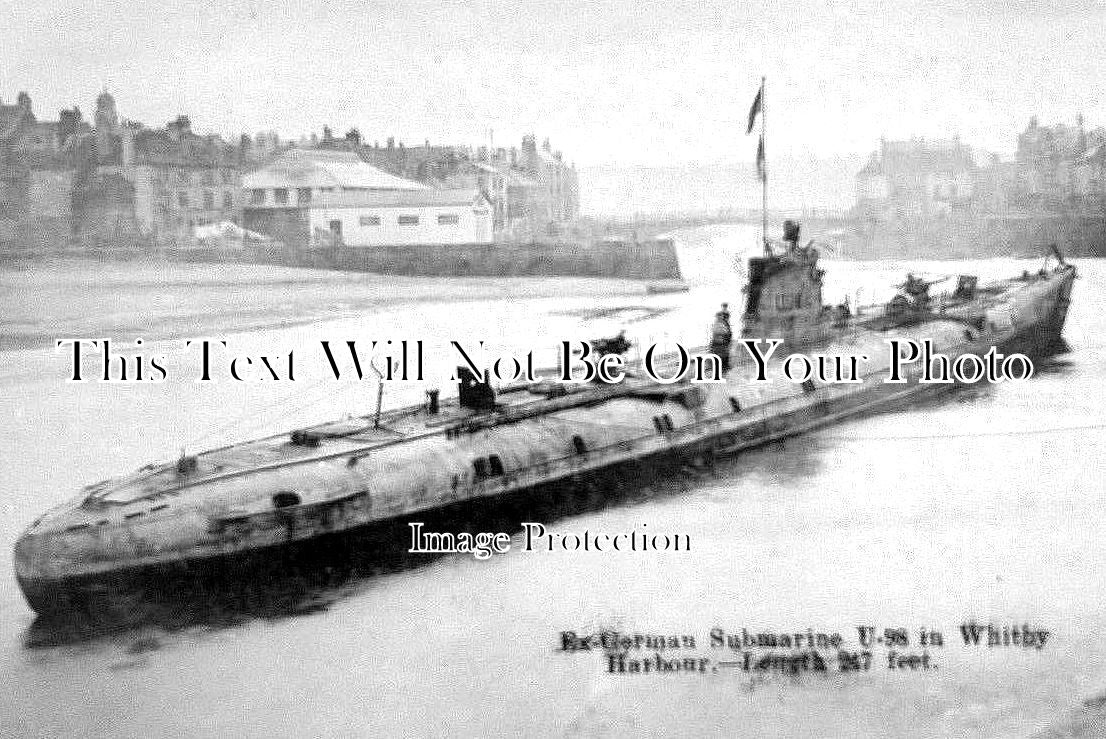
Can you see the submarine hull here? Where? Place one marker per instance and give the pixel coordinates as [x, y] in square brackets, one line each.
[301, 548]
[266, 578]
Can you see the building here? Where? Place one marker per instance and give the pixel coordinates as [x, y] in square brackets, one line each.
[15, 173]
[37, 170]
[320, 197]
[175, 180]
[916, 178]
[401, 217]
[534, 192]
[1060, 166]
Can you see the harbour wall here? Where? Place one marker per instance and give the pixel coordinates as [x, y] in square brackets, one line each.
[645, 260]
[968, 237]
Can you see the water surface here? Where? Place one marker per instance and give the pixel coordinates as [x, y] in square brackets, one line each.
[983, 505]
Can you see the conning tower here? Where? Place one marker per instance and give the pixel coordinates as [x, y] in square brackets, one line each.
[783, 298]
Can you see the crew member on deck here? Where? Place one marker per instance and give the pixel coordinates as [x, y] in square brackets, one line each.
[721, 335]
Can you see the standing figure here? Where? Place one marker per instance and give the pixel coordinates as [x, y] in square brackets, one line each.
[721, 335]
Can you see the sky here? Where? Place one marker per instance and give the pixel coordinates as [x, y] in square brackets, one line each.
[622, 83]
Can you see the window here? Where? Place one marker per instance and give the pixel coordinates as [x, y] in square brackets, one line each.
[208, 178]
[209, 200]
[228, 177]
[370, 220]
[257, 197]
[408, 220]
[228, 200]
[280, 195]
[449, 219]
[182, 199]
[303, 195]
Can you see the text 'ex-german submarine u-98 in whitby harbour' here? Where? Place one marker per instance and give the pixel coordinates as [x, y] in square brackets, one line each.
[264, 498]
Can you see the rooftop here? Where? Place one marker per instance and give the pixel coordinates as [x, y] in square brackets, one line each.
[398, 198]
[325, 168]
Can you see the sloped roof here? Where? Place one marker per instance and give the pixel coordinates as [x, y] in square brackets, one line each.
[157, 146]
[398, 198]
[323, 168]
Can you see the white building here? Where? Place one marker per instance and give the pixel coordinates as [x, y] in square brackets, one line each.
[321, 197]
[382, 217]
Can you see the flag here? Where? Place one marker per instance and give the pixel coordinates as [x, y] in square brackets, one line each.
[758, 103]
[762, 169]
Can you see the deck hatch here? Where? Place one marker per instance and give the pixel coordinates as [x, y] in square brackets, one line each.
[285, 499]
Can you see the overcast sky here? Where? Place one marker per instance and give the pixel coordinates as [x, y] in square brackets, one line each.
[631, 82]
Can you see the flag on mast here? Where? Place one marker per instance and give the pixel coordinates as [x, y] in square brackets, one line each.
[762, 168]
[758, 102]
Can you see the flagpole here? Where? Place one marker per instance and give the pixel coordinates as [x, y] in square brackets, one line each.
[764, 179]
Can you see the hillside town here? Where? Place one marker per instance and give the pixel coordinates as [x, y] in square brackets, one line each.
[113, 182]
[110, 182]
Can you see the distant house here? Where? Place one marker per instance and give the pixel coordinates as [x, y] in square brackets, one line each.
[177, 180]
[320, 197]
[1061, 166]
[37, 164]
[918, 177]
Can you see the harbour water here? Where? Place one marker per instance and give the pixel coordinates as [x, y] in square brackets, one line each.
[984, 505]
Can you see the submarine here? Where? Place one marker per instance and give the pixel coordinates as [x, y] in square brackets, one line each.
[210, 516]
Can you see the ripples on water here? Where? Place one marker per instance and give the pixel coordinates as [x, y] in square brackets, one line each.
[923, 516]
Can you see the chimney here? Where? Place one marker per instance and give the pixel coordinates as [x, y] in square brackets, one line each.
[127, 138]
[69, 124]
[179, 127]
